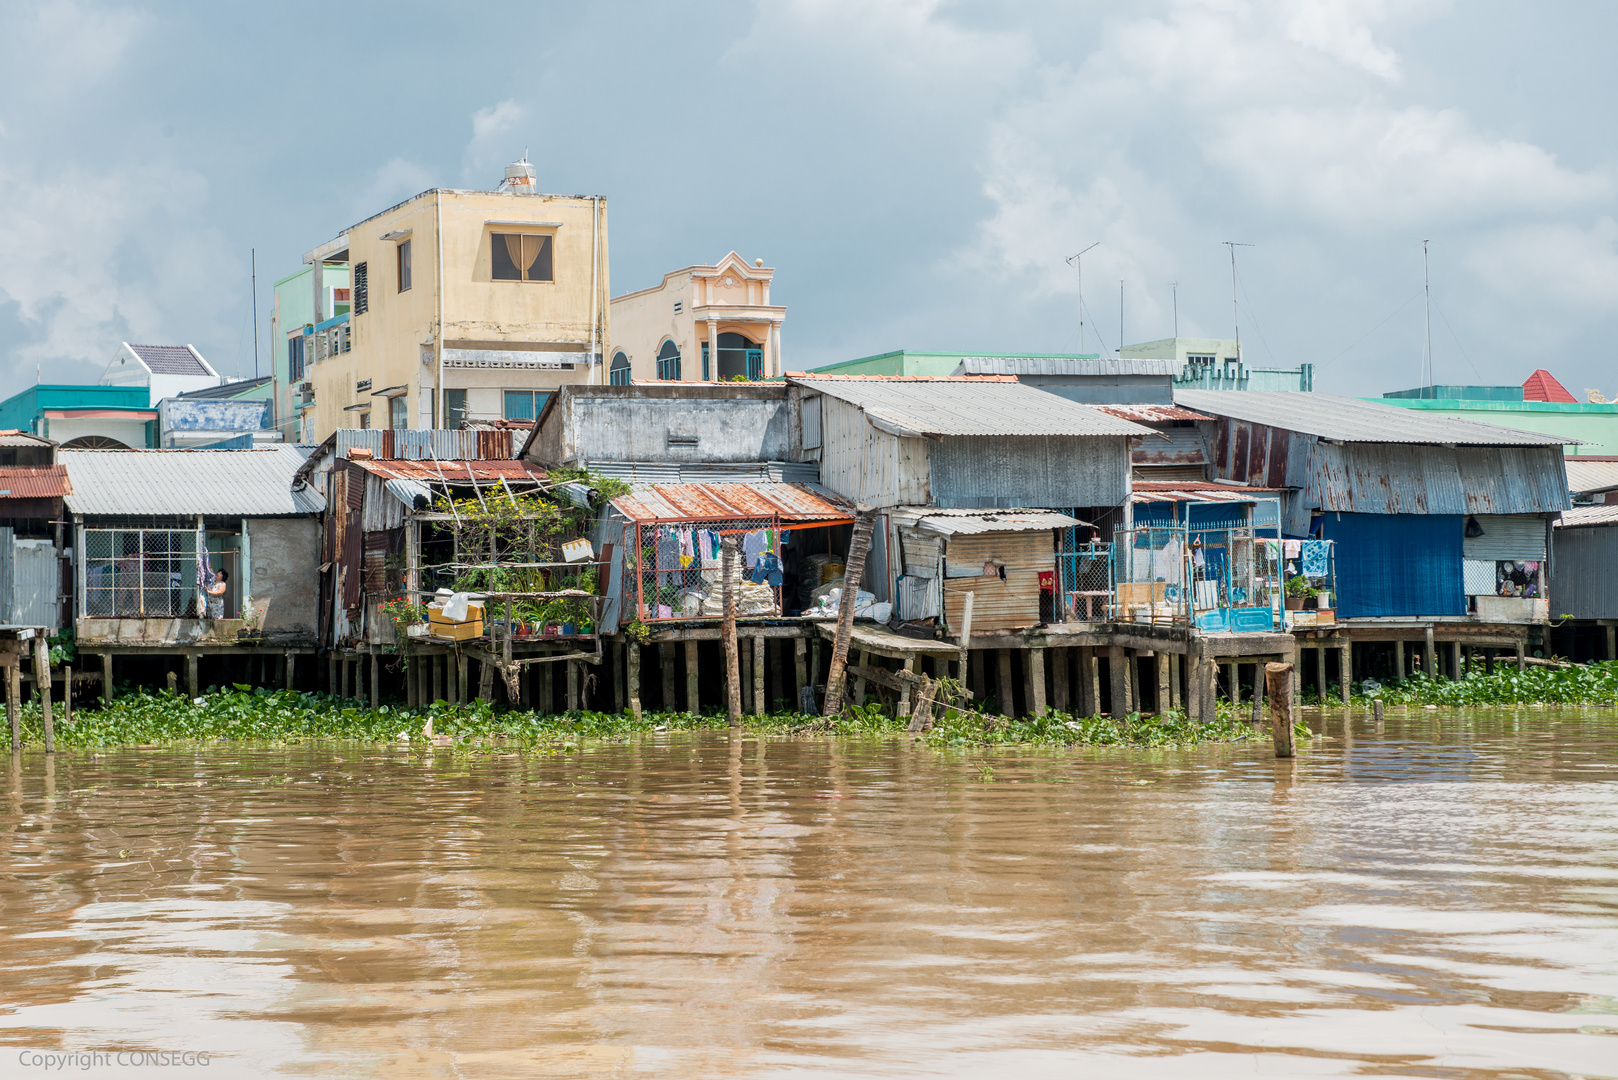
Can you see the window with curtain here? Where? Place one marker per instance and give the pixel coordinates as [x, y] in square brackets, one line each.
[525, 404]
[404, 265]
[295, 357]
[398, 412]
[668, 362]
[521, 257]
[454, 408]
[619, 374]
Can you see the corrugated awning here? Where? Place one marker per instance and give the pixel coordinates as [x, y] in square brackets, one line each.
[40, 482]
[788, 503]
[959, 522]
[1151, 414]
[1150, 492]
[454, 472]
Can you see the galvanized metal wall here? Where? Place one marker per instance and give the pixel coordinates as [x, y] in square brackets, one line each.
[1582, 581]
[30, 578]
[747, 425]
[423, 445]
[1029, 471]
[1404, 478]
[861, 463]
[1506, 536]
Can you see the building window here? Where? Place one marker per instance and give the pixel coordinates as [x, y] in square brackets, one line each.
[362, 288]
[521, 257]
[705, 375]
[398, 412]
[341, 301]
[619, 374]
[295, 357]
[404, 265]
[141, 573]
[1195, 358]
[739, 357]
[525, 404]
[365, 419]
[679, 306]
[454, 408]
[668, 362]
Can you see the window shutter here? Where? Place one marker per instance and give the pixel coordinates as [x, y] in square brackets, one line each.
[362, 290]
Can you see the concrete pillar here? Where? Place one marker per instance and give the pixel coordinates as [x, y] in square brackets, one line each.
[1118, 679]
[1164, 698]
[800, 649]
[1429, 661]
[1008, 696]
[1088, 691]
[1345, 672]
[693, 699]
[1036, 681]
[760, 698]
[1612, 641]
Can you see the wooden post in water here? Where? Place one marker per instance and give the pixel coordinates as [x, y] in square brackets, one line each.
[1088, 688]
[758, 675]
[1345, 672]
[1258, 694]
[547, 687]
[746, 654]
[14, 700]
[1612, 641]
[1279, 680]
[1429, 658]
[665, 659]
[1521, 660]
[693, 696]
[1376, 712]
[42, 679]
[174, 682]
[903, 709]
[859, 546]
[1004, 688]
[800, 650]
[572, 686]
[729, 557]
[462, 677]
[1320, 674]
[106, 678]
[1455, 660]
[632, 676]
[1399, 661]
[1061, 658]
[776, 667]
[1118, 681]
[1036, 681]
[67, 693]
[289, 671]
[191, 679]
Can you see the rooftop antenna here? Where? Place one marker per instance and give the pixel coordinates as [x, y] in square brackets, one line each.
[255, 312]
[1426, 289]
[1235, 315]
[1175, 285]
[1077, 261]
[1120, 316]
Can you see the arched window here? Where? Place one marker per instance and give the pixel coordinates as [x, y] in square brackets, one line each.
[618, 374]
[93, 442]
[668, 362]
[739, 356]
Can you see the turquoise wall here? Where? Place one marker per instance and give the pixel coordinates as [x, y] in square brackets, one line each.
[904, 362]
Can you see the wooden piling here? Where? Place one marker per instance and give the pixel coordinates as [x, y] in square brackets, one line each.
[1455, 660]
[1429, 660]
[485, 681]
[1345, 672]
[1061, 659]
[191, 674]
[617, 678]
[437, 661]
[1522, 662]
[14, 701]
[1163, 699]
[1279, 679]
[1258, 694]
[1036, 681]
[106, 678]
[1089, 685]
[1118, 680]
[463, 665]
[693, 668]
[859, 545]
[42, 679]
[1612, 641]
[1004, 687]
[729, 560]
[572, 686]
[632, 676]
[776, 670]
[1376, 712]
[904, 688]
[174, 682]
[800, 649]
[67, 693]
[1320, 674]
[1399, 661]
[289, 671]
[547, 687]
[759, 701]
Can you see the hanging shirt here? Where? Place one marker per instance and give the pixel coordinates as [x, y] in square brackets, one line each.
[768, 570]
[754, 544]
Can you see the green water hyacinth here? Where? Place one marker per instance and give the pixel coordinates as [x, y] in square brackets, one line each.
[1576, 684]
[245, 714]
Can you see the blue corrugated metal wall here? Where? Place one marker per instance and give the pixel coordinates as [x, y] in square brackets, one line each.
[1397, 564]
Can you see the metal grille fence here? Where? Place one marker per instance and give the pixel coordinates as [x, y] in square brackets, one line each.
[140, 573]
[1151, 567]
[1085, 575]
[678, 571]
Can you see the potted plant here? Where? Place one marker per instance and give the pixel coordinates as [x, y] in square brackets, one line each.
[1298, 591]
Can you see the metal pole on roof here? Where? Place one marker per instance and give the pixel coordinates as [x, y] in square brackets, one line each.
[1175, 285]
[1120, 316]
[255, 311]
[1236, 321]
[1077, 261]
[1426, 289]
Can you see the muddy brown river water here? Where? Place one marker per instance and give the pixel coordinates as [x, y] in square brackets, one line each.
[1439, 899]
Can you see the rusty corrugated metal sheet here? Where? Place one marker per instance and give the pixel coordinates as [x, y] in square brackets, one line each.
[725, 502]
[1151, 414]
[38, 482]
[1179, 446]
[424, 444]
[454, 471]
[1368, 478]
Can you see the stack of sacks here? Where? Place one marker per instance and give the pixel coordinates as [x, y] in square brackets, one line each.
[830, 597]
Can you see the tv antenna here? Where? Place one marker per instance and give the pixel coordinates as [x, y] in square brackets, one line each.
[1236, 320]
[1077, 261]
[1427, 290]
[1175, 286]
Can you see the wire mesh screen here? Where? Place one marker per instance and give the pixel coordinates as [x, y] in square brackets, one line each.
[678, 572]
[1150, 564]
[1235, 580]
[140, 573]
[1085, 571]
[1306, 572]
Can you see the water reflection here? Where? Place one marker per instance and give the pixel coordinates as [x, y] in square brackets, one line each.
[1436, 899]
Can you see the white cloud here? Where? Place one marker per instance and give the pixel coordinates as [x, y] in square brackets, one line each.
[492, 144]
[391, 183]
[1341, 28]
[1550, 265]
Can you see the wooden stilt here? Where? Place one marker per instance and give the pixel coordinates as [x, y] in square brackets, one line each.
[289, 671]
[1060, 659]
[859, 545]
[759, 698]
[617, 679]
[800, 650]
[547, 688]
[1089, 684]
[1036, 681]
[485, 679]
[693, 697]
[42, 681]
[14, 701]
[1521, 657]
[730, 569]
[632, 675]
[67, 693]
[191, 674]
[572, 686]
[1258, 694]
[106, 678]
[665, 657]
[1320, 674]
[858, 659]
[1163, 701]
[174, 682]
[436, 662]
[463, 665]
[1280, 689]
[974, 673]
[776, 671]
[1118, 678]
[1005, 687]
[1612, 641]
[1177, 682]
[1455, 660]
[1429, 660]
[1345, 672]
[904, 687]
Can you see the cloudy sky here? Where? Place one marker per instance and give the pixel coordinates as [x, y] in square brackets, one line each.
[916, 170]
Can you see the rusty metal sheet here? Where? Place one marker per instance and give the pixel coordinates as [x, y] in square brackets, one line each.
[456, 471]
[1183, 446]
[38, 482]
[723, 502]
[1149, 414]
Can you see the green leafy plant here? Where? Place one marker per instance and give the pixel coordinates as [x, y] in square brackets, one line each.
[1298, 587]
[404, 612]
[638, 632]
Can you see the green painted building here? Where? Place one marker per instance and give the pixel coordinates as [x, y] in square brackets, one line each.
[293, 325]
[1592, 428]
[907, 362]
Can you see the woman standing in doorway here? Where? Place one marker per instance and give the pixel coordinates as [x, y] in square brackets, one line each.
[216, 594]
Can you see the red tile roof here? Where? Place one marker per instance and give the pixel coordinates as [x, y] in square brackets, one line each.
[1542, 386]
[37, 482]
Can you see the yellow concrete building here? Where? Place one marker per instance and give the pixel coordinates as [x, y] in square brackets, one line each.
[702, 324]
[463, 305]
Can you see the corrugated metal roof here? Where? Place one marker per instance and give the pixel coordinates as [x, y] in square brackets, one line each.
[1059, 365]
[417, 444]
[1150, 491]
[1404, 479]
[987, 406]
[1600, 514]
[221, 483]
[1150, 414]
[702, 472]
[14, 437]
[1583, 476]
[455, 472]
[1346, 419]
[962, 522]
[170, 359]
[726, 502]
[39, 482]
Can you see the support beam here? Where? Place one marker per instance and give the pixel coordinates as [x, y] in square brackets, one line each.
[904, 688]
[1280, 688]
[693, 669]
[42, 681]
[1005, 689]
[463, 664]
[485, 679]
[14, 702]
[547, 687]
[759, 699]
[800, 650]
[1163, 699]
[1612, 641]
[1036, 681]
[974, 673]
[617, 678]
[106, 678]
[191, 674]
[1089, 685]
[665, 656]
[855, 657]
[746, 653]
[572, 686]
[859, 545]
[289, 670]
[1258, 694]
[1061, 660]
[437, 663]
[1521, 657]
[632, 676]
[1429, 662]
[776, 670]
[1455, 660]
[1118, 679]
[1399, 661]
[333, 687]
[1176, 683]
